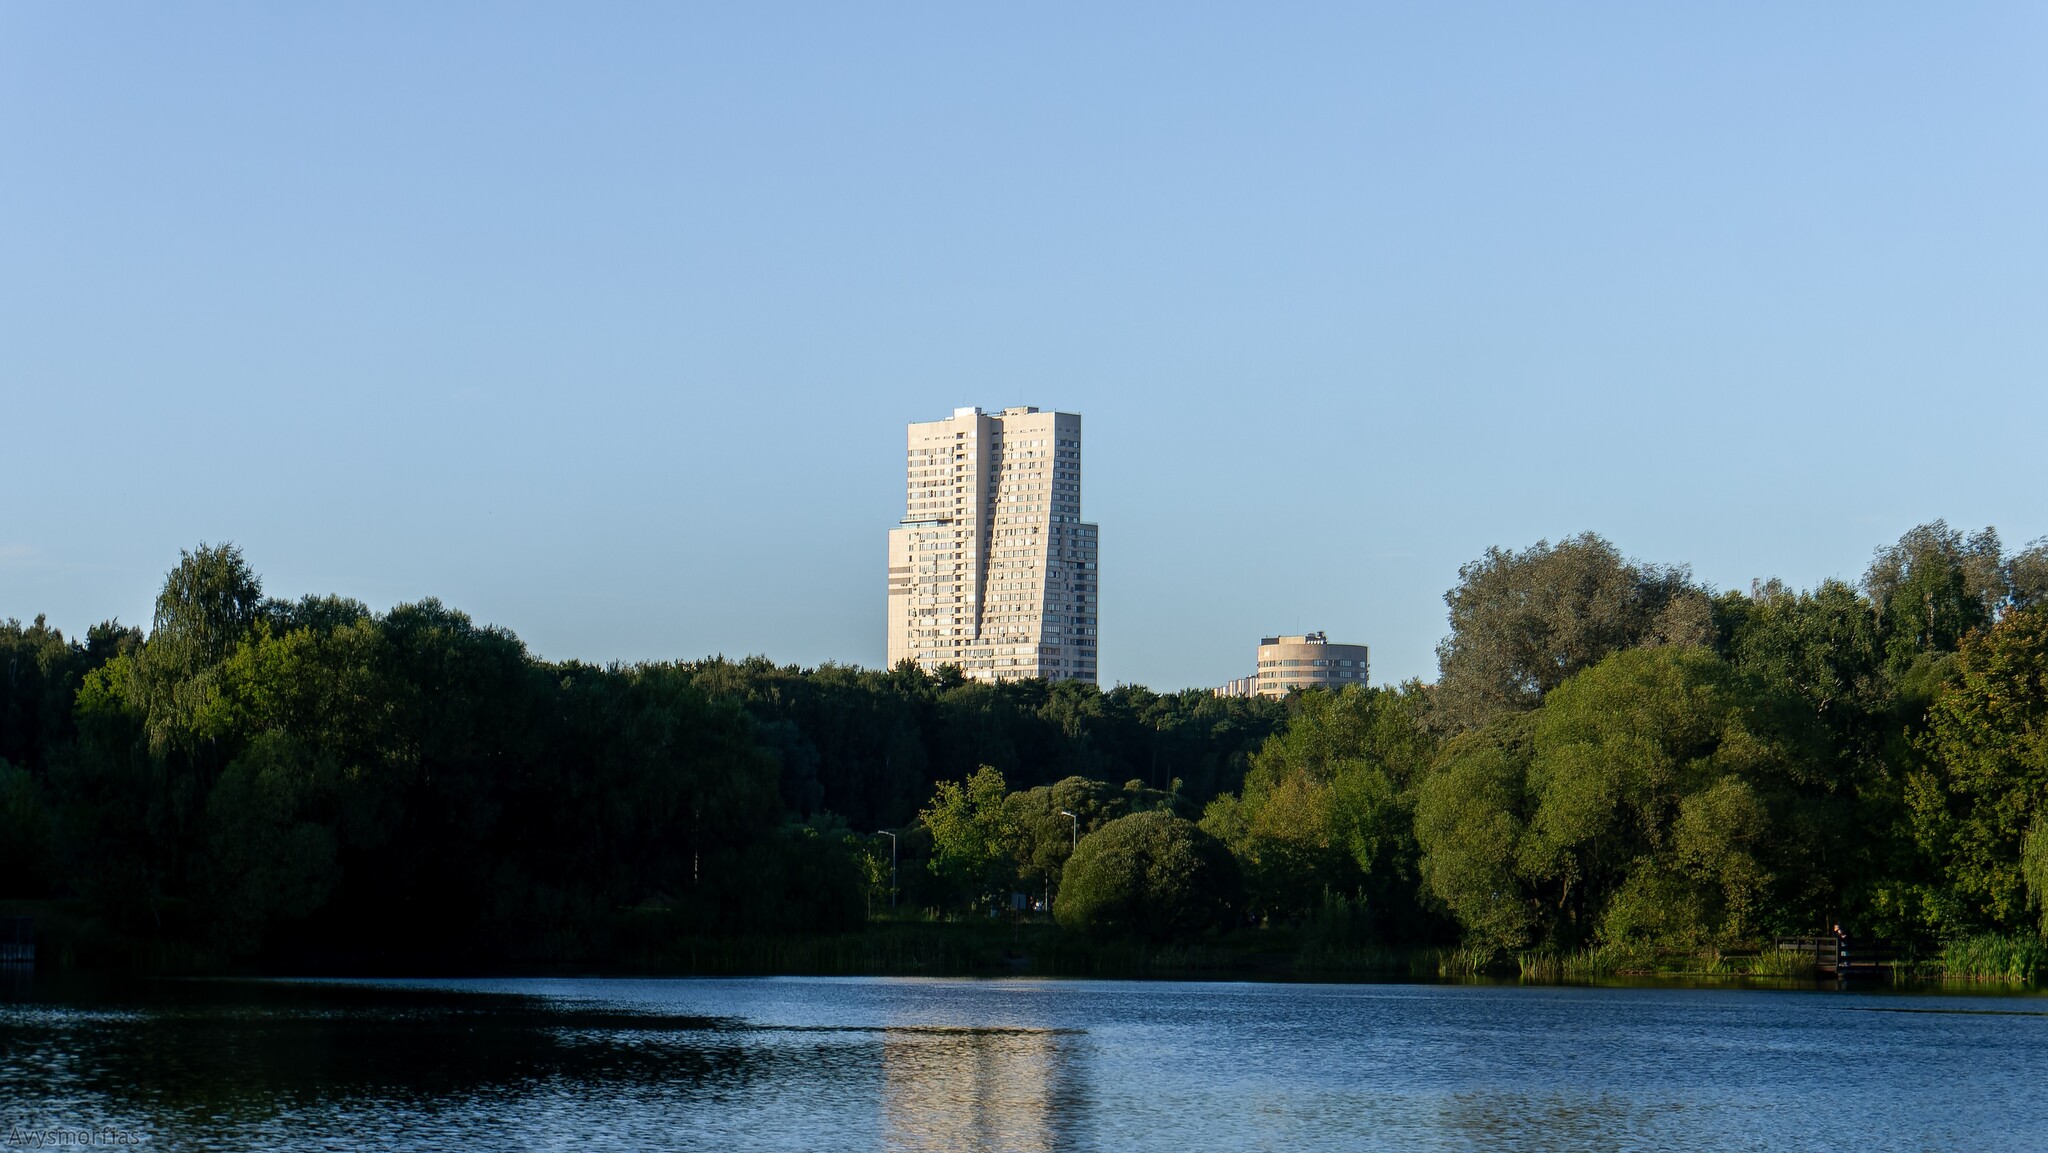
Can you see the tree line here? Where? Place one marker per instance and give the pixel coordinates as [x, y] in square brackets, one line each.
[267, 776]
[1610, 754]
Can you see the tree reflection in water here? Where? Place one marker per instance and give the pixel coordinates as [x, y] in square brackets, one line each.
[804, 1064]
[246, 1065]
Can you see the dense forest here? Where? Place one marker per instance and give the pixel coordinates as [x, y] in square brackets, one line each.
[1611, 754]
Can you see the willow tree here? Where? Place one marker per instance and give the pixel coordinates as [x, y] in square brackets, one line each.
[1642, 802]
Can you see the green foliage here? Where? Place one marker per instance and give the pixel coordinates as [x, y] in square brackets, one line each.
[2026, 576]
[1341, 934]
[871, 858]
[24, 835]
[970, 837]
[1783, 963]
[1870, 759]
[1466, 961]
[1524, 623]
[1326, 805]
[2034, 869]
[799, 880]
[40, 675]
[871, 745]
[1645, 822]
[1984, 785]
[1590, 963]
[1040, 834]
[2019, 958]
[1934, 587]
[271, 856]
[1470, 814]
[1633, 807]
[1611, 765]
[1151, 875]
[208, 603]
[1821, 648]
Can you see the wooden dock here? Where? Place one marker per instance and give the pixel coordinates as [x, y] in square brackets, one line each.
[17, 941]
[1862, 957]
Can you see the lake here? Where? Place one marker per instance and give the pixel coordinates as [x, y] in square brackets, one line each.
[853, 1064]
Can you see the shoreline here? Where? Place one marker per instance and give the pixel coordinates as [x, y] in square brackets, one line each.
[82, 949]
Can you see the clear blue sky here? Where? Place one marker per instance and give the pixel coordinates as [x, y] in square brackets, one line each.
[602, 322]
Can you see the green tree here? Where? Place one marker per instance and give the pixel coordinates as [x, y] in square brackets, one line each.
[1821, 647]
[1647, 821]
[969, 841]
[1638, 804]
[2034, 869]
[1326, 805]
[207, 605]
[40, 675]
[1471, 813]
[2026, 576]
[109, 793]
[1985, 780]
[1524, 623]
[1151, 875]
[24, 835]
[272, 856]
[1039, 833]
[1822, 654]
[1934, 587]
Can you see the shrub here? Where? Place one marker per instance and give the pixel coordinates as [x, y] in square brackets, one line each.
[1149, 875]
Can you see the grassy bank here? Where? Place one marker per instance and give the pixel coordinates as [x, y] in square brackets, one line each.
[2018, 961]
[1034, 948]
[72, 938]
[1601, 962]
[1988, 958]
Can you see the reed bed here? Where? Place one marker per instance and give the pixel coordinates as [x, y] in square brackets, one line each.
[2019, 959]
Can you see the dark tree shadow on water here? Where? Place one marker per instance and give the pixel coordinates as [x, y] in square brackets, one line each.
[230, 1064]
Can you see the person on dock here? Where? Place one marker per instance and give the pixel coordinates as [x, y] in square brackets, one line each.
[1841, 952]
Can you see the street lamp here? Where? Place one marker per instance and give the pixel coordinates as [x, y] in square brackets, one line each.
[1077, 828]
[892, 863]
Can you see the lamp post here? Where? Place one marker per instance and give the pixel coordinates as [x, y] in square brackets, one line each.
[1076, 843]
[892, 863]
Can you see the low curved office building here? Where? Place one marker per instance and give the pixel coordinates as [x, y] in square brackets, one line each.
[1306, 662]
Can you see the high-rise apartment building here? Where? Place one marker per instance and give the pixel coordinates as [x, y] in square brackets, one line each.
[992, 568]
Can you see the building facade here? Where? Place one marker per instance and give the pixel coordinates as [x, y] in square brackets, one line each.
[992, 568]
[1238, 687]
[1305, 662]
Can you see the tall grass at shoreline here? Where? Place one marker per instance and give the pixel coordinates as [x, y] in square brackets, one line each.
[1329, 949]
[2019, 959]
[1784, 963]
[1595, 962]
[967, 948]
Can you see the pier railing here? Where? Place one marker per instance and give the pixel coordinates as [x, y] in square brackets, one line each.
[1831, 958]
[17, 940]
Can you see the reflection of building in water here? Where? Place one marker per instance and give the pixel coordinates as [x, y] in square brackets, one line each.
[997, 1089]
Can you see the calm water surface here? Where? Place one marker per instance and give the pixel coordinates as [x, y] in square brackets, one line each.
[783, 1064]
